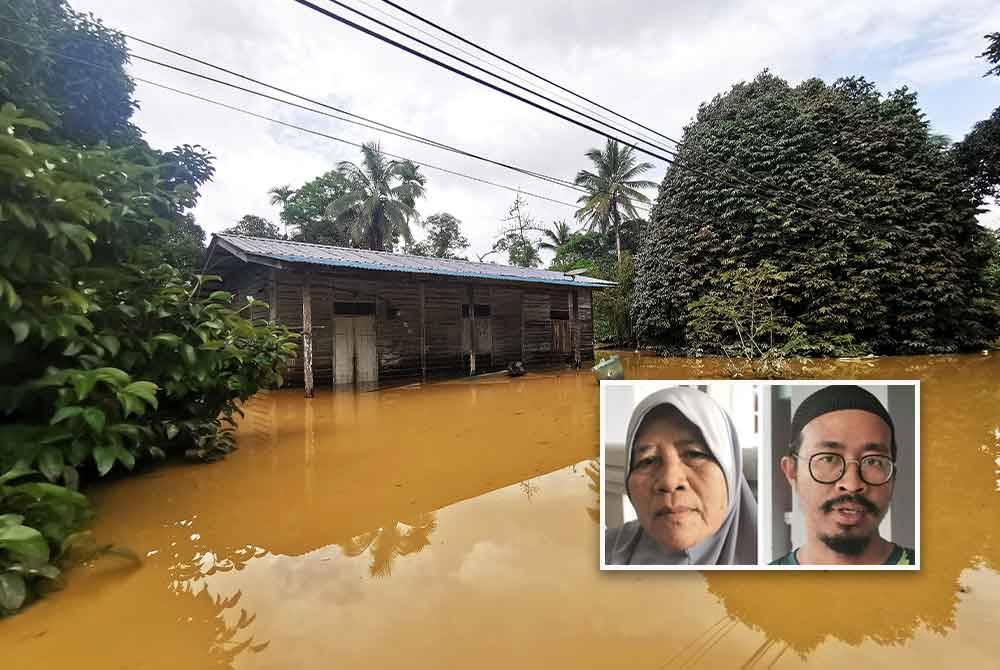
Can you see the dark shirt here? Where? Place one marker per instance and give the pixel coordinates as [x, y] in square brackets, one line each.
[899, 556]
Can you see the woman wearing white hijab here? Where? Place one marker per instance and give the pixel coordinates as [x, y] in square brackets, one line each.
[684, 477]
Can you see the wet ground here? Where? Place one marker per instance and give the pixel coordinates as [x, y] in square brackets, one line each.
[454, 525]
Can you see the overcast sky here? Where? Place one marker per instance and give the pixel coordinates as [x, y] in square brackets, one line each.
[653, 61]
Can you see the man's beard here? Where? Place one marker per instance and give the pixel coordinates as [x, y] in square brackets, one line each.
[845, 543]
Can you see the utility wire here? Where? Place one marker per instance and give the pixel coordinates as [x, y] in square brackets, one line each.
[475, 56]
[289, 125]
[472, 77]
[451, 55]
[755, 183]
[672, 161]
[521, 68]
[364, 120]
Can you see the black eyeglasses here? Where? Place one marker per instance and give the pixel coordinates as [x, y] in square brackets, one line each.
[830, 467]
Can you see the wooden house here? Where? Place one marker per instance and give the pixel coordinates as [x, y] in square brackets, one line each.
[374, 318]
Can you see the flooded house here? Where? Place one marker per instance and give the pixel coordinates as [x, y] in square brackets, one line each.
[373, 318]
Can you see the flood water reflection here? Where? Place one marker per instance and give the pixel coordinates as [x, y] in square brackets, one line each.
[454, 525]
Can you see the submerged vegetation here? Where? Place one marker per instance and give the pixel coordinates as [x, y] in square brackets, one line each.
[114, 354]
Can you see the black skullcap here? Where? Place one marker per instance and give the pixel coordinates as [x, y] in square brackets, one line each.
[836, 398]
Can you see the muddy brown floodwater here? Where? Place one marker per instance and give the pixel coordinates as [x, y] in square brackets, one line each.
[454, 525]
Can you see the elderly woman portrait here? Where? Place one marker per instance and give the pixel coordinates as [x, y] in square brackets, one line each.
[684, 478]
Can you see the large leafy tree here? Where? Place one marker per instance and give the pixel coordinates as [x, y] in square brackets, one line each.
[252, 225]
[380, 200]
[979, 152]
[848, 196]
[86, 105]
[444, 237]
[613, 188]
[304, 210]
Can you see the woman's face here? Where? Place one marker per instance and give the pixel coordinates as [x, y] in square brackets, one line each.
[676, 485]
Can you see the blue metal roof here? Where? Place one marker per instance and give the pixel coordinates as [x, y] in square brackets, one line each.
[259, 249]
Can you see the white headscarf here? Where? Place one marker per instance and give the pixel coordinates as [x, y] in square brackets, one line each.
[735, 543]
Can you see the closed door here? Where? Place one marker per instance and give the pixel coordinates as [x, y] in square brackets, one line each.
[344, 346]
[355, 346]
[366, 362]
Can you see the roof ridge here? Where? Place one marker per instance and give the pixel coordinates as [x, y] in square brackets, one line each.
[427, 264]
[384, 253]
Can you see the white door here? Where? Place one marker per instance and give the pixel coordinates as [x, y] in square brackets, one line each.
[343, 328]
[366, 364]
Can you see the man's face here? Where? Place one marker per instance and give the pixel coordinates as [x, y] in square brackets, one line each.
[676, 485]
[845, 514]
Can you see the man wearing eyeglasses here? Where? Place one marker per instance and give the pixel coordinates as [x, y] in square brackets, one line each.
[842, 463]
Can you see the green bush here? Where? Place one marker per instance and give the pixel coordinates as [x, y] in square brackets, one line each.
[109, 356]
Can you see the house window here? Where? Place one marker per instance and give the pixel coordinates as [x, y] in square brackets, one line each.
[559, 314]
[353, 308]
[480, 311]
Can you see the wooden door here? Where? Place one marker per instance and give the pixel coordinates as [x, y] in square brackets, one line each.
[366, 365]
[344, 344]
[484, 336]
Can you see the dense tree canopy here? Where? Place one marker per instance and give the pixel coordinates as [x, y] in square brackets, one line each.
[847, 195]
[979, 152]
[444, 237]
[252, 225]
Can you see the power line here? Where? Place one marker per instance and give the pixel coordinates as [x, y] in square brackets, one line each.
[477, 57]
[671, 161]
[754, 182]
[384, 127]
[289, 125]
[522, 69]
[462, 73]
[364, 121]
[815, 206]
[428, 45]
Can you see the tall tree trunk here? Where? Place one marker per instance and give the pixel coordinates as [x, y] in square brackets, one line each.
[618, 233]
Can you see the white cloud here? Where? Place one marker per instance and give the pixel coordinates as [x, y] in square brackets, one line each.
[655, 61]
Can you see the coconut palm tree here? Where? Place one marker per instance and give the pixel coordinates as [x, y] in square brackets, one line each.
[380, 201]
[280, 195]
[391, 540]
[556, 236]
[612, 190]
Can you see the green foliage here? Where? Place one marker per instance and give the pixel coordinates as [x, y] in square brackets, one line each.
[742, 318]
[978, 153]
[444, 237]
[109, 359]
[76, 101]
[613, 321]
[92, 106]
[876, 234]
[303, 210]
[555, 237]
[612, 190]
[992, 54]
[380, 200]
[522, 250]
[252, 225]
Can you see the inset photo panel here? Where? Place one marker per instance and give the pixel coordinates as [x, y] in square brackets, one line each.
[679, 481]
[840, 476]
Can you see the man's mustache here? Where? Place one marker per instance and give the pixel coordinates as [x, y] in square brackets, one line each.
[858, 500]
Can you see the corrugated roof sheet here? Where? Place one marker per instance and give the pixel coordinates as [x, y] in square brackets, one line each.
[362, 259]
